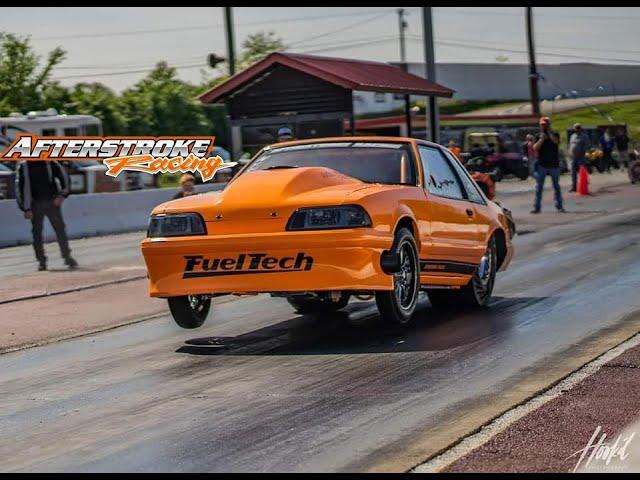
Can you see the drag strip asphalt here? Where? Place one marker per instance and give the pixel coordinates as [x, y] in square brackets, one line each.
[259, 388]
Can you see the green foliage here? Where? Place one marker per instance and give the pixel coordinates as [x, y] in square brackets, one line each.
[159, 104]
[454, 107]
[100, 101]
[257, 46]
[621, 112]
[447, 107]
[166, 180]
[23, 77]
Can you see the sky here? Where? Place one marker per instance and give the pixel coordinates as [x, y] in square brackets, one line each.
[118, 45]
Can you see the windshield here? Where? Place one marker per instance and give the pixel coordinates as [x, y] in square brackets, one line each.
[390, 163]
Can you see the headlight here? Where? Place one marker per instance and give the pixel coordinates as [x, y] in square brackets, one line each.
[321, 218]
[175, 225]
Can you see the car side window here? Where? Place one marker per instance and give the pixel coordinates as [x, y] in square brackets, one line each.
[469, 185]
[439, 177]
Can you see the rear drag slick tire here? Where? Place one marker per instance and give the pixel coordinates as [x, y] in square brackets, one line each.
[398, 305]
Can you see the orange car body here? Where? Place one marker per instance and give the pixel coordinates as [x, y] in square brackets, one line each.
[247, 248]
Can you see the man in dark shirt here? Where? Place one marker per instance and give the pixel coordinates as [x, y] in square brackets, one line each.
[607, 142]
[41, 187]
[622, 145]
[548, 163]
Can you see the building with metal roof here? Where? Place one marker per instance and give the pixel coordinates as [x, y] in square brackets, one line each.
[312, 95]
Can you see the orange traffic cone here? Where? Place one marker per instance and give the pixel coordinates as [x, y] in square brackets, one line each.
[583, 181]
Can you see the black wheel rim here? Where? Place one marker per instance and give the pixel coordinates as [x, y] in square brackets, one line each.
[406, 278]
[198, 304]
[483, 277]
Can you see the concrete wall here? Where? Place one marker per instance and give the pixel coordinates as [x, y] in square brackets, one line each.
[499, 81]
[91, 214]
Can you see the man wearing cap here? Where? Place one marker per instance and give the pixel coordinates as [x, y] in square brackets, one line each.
[548, 163]
[285, 134]
[578, 144]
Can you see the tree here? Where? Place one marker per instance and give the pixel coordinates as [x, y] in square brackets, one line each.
[56, 96]
[257, 46]
[23, 80]
[161, 104]
[100, 101]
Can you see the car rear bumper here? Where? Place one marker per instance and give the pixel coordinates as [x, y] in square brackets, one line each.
[264, 263]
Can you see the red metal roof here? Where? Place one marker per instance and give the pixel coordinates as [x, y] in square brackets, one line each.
[351, 74]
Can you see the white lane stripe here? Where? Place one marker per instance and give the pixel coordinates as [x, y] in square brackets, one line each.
[505, 420]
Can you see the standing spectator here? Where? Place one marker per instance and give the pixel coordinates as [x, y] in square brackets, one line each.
[578, 144]
[546, 148]
[502, 148]
[622, 145]
[455, 149]
[187, 186]
[285, 135]
[477, 150]
[607, 142]
[41, 187]
[530, 152]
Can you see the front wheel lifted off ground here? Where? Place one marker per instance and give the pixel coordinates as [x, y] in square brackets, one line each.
[190, 311]
[398, 305]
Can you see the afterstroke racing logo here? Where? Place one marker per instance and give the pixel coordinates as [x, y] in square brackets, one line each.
[139, 154]
[197, 266]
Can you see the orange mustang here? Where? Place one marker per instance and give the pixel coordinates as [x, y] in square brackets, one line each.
[317, 221]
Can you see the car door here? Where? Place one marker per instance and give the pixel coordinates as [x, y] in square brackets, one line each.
[454, 234]
[477, 201]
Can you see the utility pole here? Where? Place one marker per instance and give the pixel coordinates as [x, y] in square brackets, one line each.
[231, 49]
[433, 127]
[533, 72]
[402, 24]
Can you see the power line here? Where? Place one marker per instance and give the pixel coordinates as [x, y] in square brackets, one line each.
[475, 46]
[333, 43]
[134, 65]
[476, 12]
[330, 47]
[130, 69]
[450, 10]
[128, 72]
[589, 49]
[346, 46]
[338, 43]
[341, 29]
[203, 27]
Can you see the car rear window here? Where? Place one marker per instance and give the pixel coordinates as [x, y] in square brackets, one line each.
[388, 163]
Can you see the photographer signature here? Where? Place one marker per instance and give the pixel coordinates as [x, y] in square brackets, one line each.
[599, 449]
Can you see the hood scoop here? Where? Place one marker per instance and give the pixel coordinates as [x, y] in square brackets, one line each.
[279, 186]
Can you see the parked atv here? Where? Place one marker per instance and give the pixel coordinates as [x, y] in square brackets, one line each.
[502, 156]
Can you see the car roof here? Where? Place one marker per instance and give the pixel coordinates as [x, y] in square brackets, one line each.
[367, 139]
